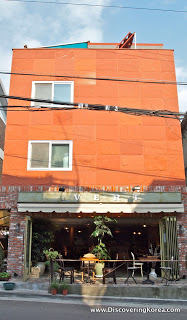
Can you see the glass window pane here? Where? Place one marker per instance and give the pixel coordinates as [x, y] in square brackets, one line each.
[60, 156]
[40, 155]
[62, 92]
[43, 91]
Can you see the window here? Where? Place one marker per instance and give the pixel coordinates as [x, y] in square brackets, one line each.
[53, 90]
[50, 155]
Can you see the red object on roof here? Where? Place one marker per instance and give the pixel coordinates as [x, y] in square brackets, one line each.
[127, 41]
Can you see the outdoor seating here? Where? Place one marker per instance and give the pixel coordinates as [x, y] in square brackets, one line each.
[110, 271]
[137, 265]
[167, 272]
[131, 271]
[87, 267]
[65, 271]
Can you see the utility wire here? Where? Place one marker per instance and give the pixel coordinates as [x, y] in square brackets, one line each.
[180, 83]
[100, 5]
[98, 107]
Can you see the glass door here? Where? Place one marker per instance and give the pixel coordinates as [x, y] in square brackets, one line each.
[27, 248]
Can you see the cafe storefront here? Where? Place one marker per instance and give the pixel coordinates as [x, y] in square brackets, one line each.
[144, 220]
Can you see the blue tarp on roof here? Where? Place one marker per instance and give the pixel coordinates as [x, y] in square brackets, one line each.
[79, 45]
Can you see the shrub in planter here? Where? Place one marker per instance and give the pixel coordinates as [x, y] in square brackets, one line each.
[63, 287]
[5, 276]
[100, 250]
[54, 287]
[55, 266]
[51, 255]
[101, 229]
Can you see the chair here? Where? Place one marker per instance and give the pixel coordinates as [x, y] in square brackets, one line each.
[110, 271]
[66, 271]
[137, 265]
[131, 274]
[167, 272]
[86, 267]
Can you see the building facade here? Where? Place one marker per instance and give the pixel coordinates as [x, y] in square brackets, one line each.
[184, 142]
[3, 112]
[123, 165]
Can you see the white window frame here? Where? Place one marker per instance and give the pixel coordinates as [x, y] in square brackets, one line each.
[52, 98]
[50, 142]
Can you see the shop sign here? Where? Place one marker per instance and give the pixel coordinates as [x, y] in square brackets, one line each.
[100, 197]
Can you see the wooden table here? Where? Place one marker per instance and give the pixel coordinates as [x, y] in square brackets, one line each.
[89, 260]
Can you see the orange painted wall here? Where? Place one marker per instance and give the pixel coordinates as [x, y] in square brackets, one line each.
[108, 148]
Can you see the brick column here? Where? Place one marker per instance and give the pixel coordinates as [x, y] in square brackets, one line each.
[15, 259]
[182, 237]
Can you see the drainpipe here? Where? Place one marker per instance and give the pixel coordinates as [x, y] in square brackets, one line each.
[135, 40]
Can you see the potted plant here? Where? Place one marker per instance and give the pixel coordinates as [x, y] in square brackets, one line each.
[5, 276]
[54, 287]
[55, 266]
[100, 250]
[51, 255]
[64, 286]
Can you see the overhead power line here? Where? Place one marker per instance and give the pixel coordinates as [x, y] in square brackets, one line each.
[97, 107]
[100, 5]
[179, 83]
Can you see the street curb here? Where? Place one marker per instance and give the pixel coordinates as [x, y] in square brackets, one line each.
[29, 294]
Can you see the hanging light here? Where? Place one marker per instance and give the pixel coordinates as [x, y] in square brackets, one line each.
[144, 225]
[17, 227]
[117, 230]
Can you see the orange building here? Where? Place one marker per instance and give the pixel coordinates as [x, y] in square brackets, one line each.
[97, 156]
[107, 148]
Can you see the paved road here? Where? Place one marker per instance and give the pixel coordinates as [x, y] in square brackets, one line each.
[42, 310]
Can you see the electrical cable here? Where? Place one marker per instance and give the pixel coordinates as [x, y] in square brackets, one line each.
[96, 78]
[98, 107]
[102, 168]
[100, 5]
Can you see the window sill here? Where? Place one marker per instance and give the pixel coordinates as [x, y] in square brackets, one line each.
[49, 169]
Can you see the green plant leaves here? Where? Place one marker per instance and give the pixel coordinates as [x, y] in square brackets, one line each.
[100, 231]
[42, 238]
[51, 254]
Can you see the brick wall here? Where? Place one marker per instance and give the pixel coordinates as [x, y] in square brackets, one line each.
[182, 238]
[8, 198]
[16, 244]
[1, 169]
[8, 201]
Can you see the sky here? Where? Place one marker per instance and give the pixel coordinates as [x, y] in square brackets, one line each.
[42, 24]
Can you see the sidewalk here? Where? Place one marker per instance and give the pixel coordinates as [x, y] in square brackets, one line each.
[97, 292]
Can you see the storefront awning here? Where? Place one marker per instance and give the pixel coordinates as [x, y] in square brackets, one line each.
[99, 208]
[103, 202]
